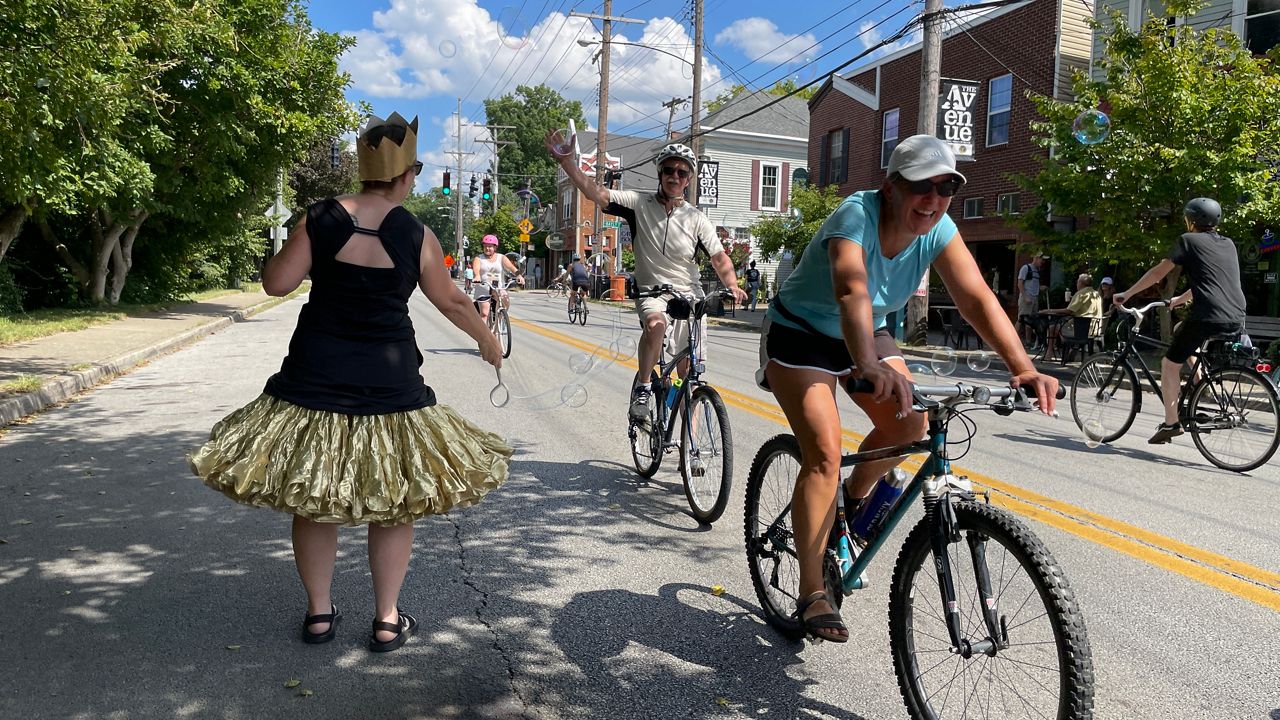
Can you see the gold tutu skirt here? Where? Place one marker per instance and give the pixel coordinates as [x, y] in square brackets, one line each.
[351, 469]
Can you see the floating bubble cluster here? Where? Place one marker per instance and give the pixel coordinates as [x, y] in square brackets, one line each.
[1091, 127]
[943, 362]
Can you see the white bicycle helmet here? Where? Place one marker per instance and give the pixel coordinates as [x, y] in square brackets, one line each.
[676, 150]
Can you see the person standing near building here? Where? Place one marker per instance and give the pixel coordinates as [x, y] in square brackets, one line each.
[1029, 299]
[753, 285]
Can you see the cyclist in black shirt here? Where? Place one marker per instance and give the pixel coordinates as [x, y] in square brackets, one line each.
[1211, 261]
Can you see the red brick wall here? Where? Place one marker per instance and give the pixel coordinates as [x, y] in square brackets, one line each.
[1024, 40]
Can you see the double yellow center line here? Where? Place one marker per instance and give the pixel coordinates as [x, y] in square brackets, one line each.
[1218, 571]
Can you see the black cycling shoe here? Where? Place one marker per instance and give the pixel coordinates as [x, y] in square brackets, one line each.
[1165, 433]
[641, 395]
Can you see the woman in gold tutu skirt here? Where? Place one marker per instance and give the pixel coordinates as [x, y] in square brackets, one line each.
[347, 433]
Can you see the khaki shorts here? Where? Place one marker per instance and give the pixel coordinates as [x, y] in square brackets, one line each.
[1028, 305]
[677, 330]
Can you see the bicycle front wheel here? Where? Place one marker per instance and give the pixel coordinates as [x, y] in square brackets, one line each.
[770, 540]
[1105, 398]
[503, 329]
[582, 312]
[1041, 667]
[1234, 419]
[706, 454]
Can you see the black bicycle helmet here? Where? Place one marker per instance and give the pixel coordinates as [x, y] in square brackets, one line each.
[1203, 212]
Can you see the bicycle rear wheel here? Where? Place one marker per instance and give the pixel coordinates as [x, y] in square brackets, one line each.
[1234, 419]
[1105, 413]
[582, 312]
[502, 328]
[706, 454]
[646, 441]
[1044, 670]
[770, 540]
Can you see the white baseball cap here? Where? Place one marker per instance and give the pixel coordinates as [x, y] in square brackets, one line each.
[1106, 281]
[920, 157]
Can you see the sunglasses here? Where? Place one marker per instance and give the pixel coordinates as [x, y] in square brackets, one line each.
[679, 172]
[946, 188]
[417, 168]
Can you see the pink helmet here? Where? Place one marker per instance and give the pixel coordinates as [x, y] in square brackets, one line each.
[490, 240]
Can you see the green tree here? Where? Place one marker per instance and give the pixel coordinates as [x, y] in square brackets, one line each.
[782, 87]
[1192, 113]
[436, 211]
[501, 224]
[532, 111]
[315, 177]
[778, 233]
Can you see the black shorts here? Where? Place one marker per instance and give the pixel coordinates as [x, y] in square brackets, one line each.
[1191, 334]
[580, 286]
[795, 348]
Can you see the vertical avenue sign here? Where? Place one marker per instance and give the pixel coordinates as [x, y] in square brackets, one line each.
[955, 115]
[709, 183]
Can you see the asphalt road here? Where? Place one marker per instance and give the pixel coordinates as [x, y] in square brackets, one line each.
[577, 590]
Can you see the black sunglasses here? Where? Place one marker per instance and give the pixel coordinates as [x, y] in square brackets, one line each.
[677, 171]
[417, 168]
[946, 188]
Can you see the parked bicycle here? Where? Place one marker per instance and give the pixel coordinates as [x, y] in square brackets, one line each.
[578, 307]
[499, 319]
[706, 441]
[982, 620]
[1230, 409]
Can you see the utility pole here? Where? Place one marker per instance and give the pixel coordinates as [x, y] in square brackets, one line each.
[671, 106]
[497, 145]
[694, 141]
[457, 219]
[917, 325]
[602, 124]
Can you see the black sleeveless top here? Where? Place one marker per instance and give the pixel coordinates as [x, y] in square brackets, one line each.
[354, 351]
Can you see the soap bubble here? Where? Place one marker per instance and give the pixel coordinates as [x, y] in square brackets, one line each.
[623, 348]
[564, 141]
[447, 49]
[1091, 127]
[943, 362]
[918, 370]
[1093, 432]
[573, 395]
[581, 363]
[979, 361]
[512, 29]
[795, 218]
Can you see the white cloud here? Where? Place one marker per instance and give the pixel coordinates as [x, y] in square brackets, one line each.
[759, 39]
[421, 49]
[869, 35]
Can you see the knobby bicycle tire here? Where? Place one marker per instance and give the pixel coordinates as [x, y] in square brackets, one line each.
[1239, 404]
[1044, 613]
[770, 540]
[708, 493]
[1106, 418]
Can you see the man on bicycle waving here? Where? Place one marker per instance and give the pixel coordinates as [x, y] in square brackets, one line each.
[1212, 261]
[490, 271]
[670, 232]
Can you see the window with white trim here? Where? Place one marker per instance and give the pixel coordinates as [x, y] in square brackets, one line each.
[769, 186]
[888, 136]
[1007, 204]
[1261, 25]
[973, 207]
[999, 101]
[566, 201]
[835, 156]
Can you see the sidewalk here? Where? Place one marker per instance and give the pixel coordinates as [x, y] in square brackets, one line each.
[71, 362]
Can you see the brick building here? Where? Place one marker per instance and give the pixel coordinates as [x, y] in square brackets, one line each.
[856, 119]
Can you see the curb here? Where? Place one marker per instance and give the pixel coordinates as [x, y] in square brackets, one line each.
[61, 387]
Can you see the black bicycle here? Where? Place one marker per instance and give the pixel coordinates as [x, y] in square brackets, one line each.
[982, 620]
[706, 441]
[499, 320]
[1230, 409]
[578, 306]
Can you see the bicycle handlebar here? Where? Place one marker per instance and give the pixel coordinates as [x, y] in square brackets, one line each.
[1013, 398]
[1141, 312]
[660, 290]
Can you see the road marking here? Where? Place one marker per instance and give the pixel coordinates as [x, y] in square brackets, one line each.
[1227, 574]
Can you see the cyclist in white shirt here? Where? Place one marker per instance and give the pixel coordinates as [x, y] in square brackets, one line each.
[490, 271]
[669, 234]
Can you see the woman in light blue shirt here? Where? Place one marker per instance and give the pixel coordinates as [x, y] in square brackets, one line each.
[827, 324]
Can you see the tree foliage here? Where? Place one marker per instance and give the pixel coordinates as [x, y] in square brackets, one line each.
[501, 224]
[436, 211]
[780, 233]
[315, 177]
[1192, 114]
[533, 111]
[785, 86]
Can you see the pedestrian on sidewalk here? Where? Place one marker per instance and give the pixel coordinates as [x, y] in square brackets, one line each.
[347, 433]
[828, 323]
[753, 285]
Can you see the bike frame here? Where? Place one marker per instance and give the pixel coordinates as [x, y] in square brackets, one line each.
[1128, 353]
[668, 422]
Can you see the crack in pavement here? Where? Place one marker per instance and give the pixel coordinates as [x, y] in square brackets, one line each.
[484, 604]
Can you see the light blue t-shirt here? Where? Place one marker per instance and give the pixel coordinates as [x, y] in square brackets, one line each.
[808, 291]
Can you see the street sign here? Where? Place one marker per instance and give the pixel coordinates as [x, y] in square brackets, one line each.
[448, 261]
[709, 184]
[524, 237]
[525, 227]
[279, 212]
[613, 223]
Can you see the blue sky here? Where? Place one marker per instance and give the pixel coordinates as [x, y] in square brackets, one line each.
[419, 56]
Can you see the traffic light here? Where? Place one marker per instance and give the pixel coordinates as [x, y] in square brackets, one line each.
[472, 192]
[335, 155]
[488, 190]
[444, 189]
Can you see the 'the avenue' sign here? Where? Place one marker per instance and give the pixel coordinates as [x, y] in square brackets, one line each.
[955, 115]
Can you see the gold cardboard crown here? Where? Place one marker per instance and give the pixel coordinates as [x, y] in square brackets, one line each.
[387, 160]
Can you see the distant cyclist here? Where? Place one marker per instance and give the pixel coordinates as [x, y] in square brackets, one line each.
[668, 236]
[490, 271]
[580, 277]
[1219, 308]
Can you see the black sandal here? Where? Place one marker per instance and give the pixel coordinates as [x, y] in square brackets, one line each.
[333, 618]
[407, 626]
[825, 621]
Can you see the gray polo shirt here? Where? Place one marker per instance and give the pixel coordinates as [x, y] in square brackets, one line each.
[665, 244]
